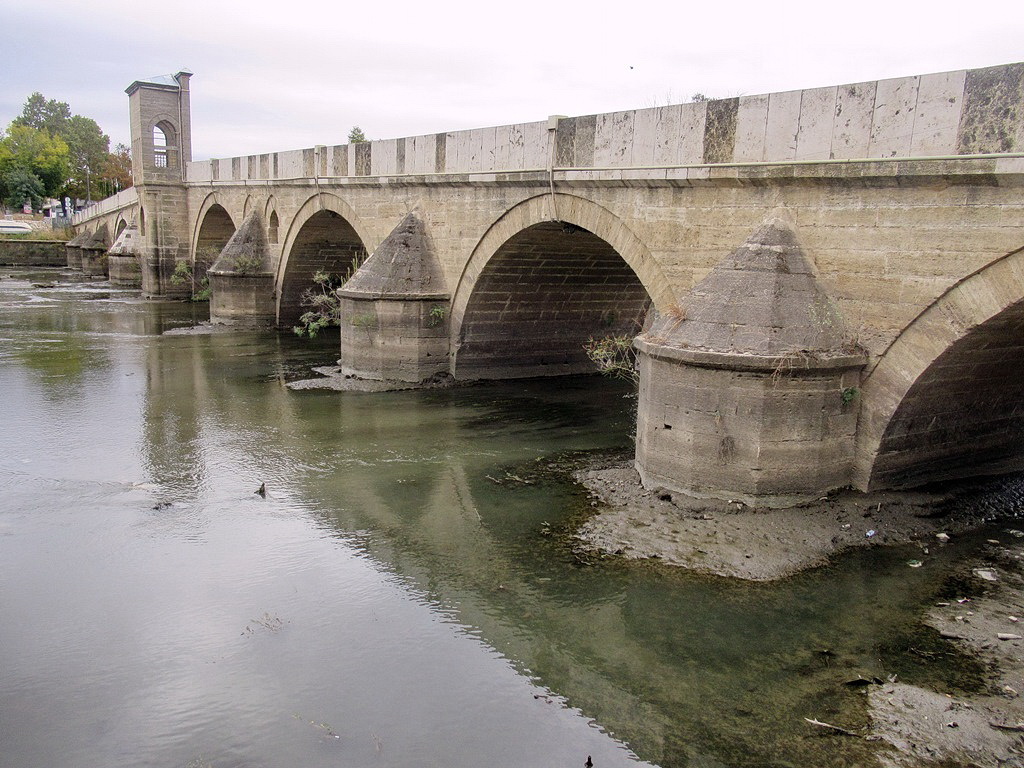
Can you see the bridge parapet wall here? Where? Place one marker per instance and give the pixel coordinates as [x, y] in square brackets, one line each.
[967, 112]
[126, 198]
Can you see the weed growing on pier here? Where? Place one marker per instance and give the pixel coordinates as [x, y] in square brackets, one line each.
[324, 307]
[185, 272]
[614, 356]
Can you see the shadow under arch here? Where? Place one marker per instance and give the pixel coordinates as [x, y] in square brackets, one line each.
[325, 234]
[214, 227]
[535, 290]
[944, 400]
[209, 228]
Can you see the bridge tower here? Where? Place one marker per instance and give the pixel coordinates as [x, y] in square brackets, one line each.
[161, 131]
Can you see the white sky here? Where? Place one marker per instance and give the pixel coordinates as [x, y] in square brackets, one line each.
[284, 75]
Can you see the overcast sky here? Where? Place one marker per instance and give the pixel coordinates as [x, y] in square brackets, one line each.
[285, 75]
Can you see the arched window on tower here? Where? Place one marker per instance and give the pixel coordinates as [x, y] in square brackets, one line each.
[165, 145]
[159, 147]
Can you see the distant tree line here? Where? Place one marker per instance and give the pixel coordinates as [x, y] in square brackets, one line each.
[49, 152]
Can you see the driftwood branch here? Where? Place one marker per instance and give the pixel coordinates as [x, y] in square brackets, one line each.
[1008, 726]
[829, 726]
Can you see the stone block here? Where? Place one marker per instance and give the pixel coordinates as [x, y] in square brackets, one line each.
[937, 118]
[851, 130]
[645, 136]
[751, 125]
[817, 118]
[892, 124]
[782, 126]
[613, 134]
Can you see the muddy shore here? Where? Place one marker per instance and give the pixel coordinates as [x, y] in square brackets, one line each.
[913, 725]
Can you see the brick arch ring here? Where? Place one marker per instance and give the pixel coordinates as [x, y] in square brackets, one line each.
[324, 201]
[572, 209]
[974, 300]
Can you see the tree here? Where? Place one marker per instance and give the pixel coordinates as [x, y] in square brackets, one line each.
[89, 158]
[116, 173]
[22, 186]
[50, 115]
[89, 148]
[356, 135]
[36, 152]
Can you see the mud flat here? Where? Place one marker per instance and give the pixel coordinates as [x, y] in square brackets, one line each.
[731, 539]
[987, 729]
[913, 726]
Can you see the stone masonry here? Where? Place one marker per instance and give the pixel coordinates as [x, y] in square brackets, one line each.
[902, 197]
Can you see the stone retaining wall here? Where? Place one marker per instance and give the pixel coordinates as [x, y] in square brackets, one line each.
[32, 253]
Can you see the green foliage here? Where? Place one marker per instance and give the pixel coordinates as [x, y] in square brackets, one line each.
[436, 315]
[849, 394]
[184, 272]
[366, 321]
[614, 356]
[35, 152]
[324, 307]
[20, 186]
[356, 135]
[248, 264]
[44, 114]
[89, 149]
[69, 153]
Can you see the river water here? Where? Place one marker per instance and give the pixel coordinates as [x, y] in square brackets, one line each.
[398, 598]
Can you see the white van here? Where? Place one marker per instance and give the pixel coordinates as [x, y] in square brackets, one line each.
[9, 227]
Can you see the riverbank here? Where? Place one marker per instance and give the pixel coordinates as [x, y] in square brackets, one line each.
[725, 538]
[984, 620]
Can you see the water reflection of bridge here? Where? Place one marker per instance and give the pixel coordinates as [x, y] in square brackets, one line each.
[681, 668]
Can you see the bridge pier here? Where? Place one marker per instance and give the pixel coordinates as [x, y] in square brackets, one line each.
[750, 391]
[242, 278]
[394, 311]
[123, 259]
[94, 251]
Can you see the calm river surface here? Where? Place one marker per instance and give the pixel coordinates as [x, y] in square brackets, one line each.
[388, 603]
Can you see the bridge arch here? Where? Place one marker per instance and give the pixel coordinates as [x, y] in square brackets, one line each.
[214, 227]
[946, 399]
[535, 290]
[325, 234]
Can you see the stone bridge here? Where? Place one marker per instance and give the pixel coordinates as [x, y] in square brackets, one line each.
[826, 286]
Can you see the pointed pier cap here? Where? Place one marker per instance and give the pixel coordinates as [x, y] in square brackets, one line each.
[246, 252]
[98, 242]
[127, 243]
[403, 267]
[762, 302]
[77, 240]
